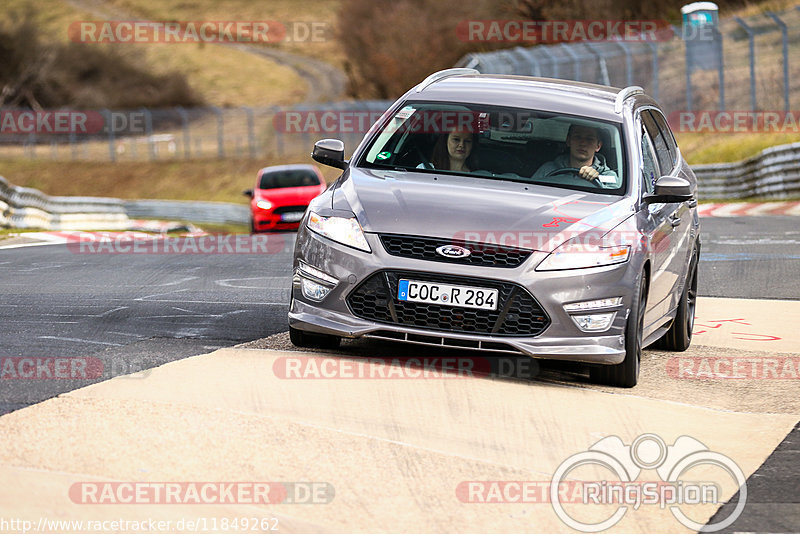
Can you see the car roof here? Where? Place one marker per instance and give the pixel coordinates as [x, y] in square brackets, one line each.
[548, 94]
[289, 167]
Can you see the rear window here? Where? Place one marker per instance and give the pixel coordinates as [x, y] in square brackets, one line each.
[295, 178]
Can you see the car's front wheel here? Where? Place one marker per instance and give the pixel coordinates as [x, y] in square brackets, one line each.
[679, 335]
[626, 373]
[301, 338]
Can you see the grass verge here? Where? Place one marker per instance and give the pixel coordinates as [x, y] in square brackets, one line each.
[215, 180]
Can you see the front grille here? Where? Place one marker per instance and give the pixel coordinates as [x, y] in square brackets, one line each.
[483, 254]
[288, 209]
[517, 314]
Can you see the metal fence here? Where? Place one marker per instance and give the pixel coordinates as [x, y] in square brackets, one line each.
[755, 70]
[747, 64]
[178, 133]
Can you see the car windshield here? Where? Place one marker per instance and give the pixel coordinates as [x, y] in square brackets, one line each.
[290, 178]
[503, 143]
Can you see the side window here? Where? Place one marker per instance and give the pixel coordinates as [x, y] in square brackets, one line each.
[649, 167]
[667, 133]
[665, 159]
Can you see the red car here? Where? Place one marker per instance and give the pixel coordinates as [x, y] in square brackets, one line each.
[281, 196]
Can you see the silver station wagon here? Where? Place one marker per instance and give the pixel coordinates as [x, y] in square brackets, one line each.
[506, 214]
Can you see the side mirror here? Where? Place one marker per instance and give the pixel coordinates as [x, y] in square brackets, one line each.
[670, 189]
[330, 152]
[248, 193]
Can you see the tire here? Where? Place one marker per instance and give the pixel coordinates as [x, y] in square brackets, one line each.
[301, 338]
[626, 373]
[252, 226]
[679, 335]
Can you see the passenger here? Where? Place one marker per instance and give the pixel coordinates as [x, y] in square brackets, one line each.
[454, 152]
[583, 144]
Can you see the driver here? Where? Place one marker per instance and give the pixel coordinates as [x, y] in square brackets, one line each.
[583, 144]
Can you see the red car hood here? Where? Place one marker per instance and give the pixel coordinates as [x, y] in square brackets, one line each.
[289, 196]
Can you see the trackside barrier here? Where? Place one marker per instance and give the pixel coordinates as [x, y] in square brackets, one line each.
[24, 207]
[189, 210]
[774, 173]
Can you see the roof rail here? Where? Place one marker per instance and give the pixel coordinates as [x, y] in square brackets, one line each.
[436, 76]
[624, 94]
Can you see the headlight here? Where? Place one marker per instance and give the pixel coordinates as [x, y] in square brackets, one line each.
[264, 204]
[344, 230]
[581, 256]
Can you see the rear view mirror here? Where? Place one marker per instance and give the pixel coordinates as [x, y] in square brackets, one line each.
[330, 152]
[670, 189]
[248, 193]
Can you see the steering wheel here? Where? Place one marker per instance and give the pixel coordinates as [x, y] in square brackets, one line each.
[575, 171]
[425, 162]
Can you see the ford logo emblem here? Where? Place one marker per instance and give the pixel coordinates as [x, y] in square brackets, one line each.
[453, 251]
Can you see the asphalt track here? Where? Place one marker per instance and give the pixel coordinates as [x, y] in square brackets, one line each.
[137, 312]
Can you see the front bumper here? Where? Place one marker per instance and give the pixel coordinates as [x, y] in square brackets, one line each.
[560, 340]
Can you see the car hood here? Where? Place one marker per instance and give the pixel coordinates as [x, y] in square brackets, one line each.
[288, 195]
[475, 209]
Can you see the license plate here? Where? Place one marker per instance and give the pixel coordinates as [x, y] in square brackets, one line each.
[447, 295]
[292, 216]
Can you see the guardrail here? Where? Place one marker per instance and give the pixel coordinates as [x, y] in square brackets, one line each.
[189, 210]
[23, 207]
[774, 173]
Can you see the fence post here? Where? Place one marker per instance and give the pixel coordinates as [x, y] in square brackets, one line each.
[721, 71]
[752, 43]
[220, 132]
[526, 57]
[601, 61]
[576, 67]
[112, 153]
[550, 58]
[251, 134]
[654, 48]
[72, 144]
[187, 141]
[628, 63]
[148, 130]
[785, 40]
[279, 148]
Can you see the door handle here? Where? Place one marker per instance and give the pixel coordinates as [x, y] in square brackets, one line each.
[692, 202]
[675, 221]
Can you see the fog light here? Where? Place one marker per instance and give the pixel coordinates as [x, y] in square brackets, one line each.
[596, 322]
[313, 290]
[587, 305]
[307, 270]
